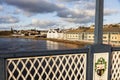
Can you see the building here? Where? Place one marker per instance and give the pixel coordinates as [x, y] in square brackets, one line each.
[111, 35]
[43, 33]
[55, 33]
[75, 35]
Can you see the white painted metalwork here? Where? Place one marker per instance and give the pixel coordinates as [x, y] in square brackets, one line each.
[115, 71]
[58, 67]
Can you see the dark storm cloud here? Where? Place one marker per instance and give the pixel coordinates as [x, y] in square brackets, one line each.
[35, 6]
[8, 19]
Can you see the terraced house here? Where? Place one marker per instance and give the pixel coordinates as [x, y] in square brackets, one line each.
[111, 34]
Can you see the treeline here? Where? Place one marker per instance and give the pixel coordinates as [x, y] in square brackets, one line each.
[5, 33]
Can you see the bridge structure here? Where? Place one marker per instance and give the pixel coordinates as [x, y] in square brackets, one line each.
[94, 62]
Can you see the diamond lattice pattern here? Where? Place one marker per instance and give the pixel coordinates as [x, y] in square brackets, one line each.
[115, 71]
[58, 67]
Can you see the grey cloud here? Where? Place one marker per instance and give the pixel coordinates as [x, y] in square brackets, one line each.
[19, 11]
[35, 6]
[4, 28]
[8, 19]
[83, 16]
[80, 13]
[74, 0]
[86, 19]
[1, 1]
[86, 15]
[71, 14]
[90, 5]
[79, 16]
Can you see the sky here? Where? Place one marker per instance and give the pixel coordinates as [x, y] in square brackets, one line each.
[46, 14]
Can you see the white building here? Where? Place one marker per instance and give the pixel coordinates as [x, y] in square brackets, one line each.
[55, 33]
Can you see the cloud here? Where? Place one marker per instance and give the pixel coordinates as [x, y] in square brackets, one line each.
[82, 11]
[19, 11]
[77, 15]
[68, 0]
[1, 7]
[75, 0]
[89, 5]
[84, 20]
[5, 28]
[44, 6]
[110, 11]
[1, 1]
[43, 24]
[35, 6]
[84, 14]
[8, 19]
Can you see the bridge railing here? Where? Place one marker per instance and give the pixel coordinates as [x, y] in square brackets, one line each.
[75, 64]
[44, 65]
[115, 64]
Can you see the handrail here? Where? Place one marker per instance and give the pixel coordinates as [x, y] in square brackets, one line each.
[16, 54]
[115, 48]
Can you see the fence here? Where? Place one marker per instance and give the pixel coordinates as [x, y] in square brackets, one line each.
[75, 64]
[115, 64]
[44, 65]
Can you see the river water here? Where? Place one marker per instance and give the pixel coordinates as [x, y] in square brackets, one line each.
[18, 44]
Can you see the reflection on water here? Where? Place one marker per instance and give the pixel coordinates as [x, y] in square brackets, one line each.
[56, 45]
[17, 44]
[52, 45]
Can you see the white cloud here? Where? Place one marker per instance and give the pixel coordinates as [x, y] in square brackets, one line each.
[43, 24]
[110, 11]
[8, 19]
[1, 7]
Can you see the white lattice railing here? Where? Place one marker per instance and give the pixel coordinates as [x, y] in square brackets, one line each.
[115, 71]
[58, 67]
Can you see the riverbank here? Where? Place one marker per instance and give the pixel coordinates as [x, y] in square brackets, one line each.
[80, 43]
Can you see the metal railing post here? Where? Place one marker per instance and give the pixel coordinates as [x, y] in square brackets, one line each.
[98, 51]
[98, 33]
[2, 69]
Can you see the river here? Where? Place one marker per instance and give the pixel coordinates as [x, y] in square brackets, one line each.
[18, 44]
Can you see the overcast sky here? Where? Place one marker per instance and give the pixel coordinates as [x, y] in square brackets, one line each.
[45, 14]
